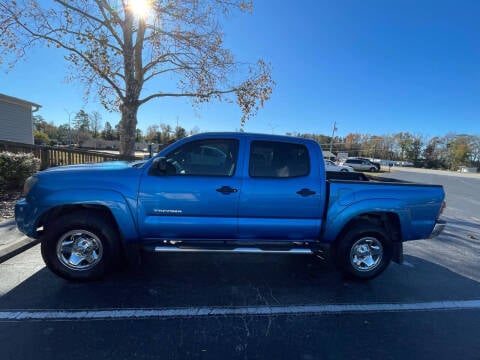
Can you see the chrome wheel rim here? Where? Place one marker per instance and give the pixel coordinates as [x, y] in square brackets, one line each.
[366, 254]
[79, 250]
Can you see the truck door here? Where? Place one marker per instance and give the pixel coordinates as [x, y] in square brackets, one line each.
[196, 196]
[283, 194]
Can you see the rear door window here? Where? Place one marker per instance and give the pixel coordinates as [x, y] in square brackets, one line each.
[275, 159]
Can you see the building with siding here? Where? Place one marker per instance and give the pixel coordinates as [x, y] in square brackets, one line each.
[16, 122]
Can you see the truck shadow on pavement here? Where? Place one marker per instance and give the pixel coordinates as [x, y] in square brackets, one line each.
[227, 280]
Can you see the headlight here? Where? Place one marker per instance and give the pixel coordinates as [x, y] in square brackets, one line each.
[29, 184]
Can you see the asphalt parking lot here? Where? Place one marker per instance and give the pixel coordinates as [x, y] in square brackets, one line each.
[229, 306]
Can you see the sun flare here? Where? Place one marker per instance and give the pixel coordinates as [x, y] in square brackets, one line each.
[140, 8]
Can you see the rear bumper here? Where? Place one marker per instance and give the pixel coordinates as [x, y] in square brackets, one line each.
[397, 250]
[438, 228]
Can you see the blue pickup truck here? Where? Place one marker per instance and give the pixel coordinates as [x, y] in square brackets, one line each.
[223, 192]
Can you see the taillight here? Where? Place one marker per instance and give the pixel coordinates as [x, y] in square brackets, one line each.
[444, 205]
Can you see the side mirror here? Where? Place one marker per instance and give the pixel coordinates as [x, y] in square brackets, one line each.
[159, 166]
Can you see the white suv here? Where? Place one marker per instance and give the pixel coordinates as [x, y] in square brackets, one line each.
[331, 166]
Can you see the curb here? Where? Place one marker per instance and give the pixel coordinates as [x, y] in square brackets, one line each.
[18, 243]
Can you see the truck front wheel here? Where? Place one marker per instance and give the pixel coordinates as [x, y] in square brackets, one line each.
[364, 252]
[80, 246]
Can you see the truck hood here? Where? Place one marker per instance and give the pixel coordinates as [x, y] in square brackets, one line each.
[118, 176]
[106, 166]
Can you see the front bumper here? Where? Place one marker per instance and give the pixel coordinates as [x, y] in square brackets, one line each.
[26, 216]
[438, 228]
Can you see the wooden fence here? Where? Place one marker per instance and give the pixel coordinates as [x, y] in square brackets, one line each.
[57, 156]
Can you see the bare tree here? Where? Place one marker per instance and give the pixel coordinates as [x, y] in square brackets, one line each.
[115, 49]
[153, 134]
[180, 133]
[95, 123]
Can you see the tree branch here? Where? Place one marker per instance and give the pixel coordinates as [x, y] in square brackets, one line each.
[75, 51]
[152, 75]
[79, 11]
[188, 94]
[71, 32]
[103, 5]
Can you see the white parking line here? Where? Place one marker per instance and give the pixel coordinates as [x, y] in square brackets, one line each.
[120, 314]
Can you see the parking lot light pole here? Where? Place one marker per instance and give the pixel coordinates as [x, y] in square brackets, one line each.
[69, 127]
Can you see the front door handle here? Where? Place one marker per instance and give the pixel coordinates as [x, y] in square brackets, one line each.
[306, 192]
[225, 190]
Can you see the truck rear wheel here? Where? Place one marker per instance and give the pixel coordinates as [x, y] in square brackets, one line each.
[80, 246]
[364, 252]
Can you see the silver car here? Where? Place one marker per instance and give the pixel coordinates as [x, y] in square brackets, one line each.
[361, 165]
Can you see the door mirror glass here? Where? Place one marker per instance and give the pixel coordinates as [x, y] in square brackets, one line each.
[159, 166]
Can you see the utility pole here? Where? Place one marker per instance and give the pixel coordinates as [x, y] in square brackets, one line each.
[272, 127]
[333, 134]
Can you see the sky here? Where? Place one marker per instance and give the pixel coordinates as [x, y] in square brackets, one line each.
[371, 66]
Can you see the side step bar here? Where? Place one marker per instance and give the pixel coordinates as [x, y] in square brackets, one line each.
[238, 250]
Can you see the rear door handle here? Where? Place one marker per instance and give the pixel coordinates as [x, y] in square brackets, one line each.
[306, 192]
[225, 190]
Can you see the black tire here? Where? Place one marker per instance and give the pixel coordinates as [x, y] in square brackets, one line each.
[363, 243]
[373, 169]
[80, 246]
[344, 170]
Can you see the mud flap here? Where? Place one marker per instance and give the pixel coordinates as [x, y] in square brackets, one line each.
[397, 255]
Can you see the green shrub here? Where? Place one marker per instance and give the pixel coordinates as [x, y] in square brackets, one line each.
[16, 168]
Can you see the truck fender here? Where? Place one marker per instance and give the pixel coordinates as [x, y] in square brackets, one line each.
[339, 216]
[119, 206]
